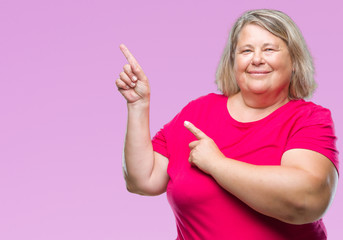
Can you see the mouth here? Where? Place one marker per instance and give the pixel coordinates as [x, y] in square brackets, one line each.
[258, 72]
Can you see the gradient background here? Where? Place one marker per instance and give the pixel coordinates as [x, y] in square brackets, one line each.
[63, 121]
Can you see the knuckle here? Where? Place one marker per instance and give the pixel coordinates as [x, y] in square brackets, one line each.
[118, 81]
[127, 68]
[122, 75]
[120, 84]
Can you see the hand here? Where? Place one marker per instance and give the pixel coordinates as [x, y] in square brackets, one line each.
[204, 152]
[133, 84]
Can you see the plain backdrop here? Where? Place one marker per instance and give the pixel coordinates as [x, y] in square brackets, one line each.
[63, 121]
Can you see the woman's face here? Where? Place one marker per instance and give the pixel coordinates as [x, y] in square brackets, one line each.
[262, 63]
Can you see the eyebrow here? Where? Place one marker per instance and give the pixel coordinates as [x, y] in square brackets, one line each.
[264, 45]
[271, 44]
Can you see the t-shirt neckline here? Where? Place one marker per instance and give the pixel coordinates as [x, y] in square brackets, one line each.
[257, 122]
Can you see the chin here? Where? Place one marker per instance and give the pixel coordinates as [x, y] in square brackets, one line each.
[257, 89]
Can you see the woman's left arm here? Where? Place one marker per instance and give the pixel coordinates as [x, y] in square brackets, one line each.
[298, 191]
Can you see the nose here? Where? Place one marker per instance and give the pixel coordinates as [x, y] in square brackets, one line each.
[257, 58]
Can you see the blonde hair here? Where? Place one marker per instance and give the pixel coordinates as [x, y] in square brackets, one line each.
[278, 23]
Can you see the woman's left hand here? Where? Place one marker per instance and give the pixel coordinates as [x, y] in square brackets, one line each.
[204, 152]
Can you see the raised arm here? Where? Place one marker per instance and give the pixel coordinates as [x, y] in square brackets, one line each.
[145, 171]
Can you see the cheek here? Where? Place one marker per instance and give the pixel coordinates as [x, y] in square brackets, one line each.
[241, 64]
[285, 70]
[237, 70]
[282, 63]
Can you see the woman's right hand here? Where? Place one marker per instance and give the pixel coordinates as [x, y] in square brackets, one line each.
[133, 84]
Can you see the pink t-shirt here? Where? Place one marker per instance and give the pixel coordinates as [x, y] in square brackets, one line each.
[204, 210]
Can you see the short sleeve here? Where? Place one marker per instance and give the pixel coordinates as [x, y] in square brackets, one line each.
[163, 142]
[316, 132]
[159, 143]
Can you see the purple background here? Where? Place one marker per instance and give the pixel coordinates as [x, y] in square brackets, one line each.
[63, 121]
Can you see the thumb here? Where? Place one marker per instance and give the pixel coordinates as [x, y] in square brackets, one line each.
[196, 131]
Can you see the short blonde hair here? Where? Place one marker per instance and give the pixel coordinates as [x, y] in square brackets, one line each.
[278, 23]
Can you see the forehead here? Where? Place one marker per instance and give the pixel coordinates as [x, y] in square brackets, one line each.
[253, 33]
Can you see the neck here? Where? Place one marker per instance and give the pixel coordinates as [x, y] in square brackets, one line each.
[254, 107]
[263, 101]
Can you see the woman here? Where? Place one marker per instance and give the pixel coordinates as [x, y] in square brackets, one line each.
[256, 162]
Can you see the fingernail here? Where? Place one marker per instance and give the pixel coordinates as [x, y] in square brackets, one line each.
[186, 123]
[134, 78]
[133, 84]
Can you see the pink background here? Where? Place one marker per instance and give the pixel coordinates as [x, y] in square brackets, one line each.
[63, 121]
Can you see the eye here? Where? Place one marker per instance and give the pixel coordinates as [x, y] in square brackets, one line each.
[269, 49]
[246, 51]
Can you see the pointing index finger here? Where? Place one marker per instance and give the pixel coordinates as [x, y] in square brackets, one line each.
[128, 55]
[196, 131]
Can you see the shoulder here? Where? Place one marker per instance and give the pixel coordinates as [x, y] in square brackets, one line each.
[310, 112]
[198, 105]
[209, 99]
[312, 129]
[200, 108]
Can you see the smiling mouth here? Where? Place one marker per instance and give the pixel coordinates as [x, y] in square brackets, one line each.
[259, 72]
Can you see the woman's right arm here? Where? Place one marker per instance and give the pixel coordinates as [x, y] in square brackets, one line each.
[145, 171]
